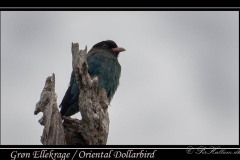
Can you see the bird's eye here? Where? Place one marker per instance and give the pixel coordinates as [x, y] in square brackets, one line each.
[105, 46]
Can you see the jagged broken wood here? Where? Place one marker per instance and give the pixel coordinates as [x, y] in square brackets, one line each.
[53, 132]
[93, 128]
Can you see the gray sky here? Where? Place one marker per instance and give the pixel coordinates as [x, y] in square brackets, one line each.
[179, 80]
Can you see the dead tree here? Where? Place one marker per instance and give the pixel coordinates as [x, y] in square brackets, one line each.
[93, 103]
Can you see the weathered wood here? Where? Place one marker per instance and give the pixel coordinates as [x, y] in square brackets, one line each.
[53, 133]
[93, 103]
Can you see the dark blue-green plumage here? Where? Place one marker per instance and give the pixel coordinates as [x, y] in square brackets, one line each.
[103, 63]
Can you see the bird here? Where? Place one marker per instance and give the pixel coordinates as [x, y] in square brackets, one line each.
[102, 60]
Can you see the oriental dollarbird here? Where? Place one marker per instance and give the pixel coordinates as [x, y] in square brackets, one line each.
[103, 63]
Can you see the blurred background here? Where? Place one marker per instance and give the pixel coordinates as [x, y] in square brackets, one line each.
[180, 74]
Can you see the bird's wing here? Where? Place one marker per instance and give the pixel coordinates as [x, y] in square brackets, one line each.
[70, 96]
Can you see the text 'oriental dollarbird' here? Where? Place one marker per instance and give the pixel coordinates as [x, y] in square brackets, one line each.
[103, 63]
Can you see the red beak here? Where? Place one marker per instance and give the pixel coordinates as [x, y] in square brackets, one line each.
[118, 49]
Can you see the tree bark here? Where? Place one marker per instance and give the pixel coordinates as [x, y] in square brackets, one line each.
[53, 132]
[93, 103]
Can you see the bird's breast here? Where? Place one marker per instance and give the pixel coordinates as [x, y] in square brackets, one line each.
[107, 69]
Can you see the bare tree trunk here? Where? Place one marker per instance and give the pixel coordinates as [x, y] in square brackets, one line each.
[53, 133]
[93, 128]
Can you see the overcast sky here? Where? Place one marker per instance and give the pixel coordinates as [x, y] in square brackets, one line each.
[179, 81]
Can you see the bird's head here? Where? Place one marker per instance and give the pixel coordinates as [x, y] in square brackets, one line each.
[109, 45]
